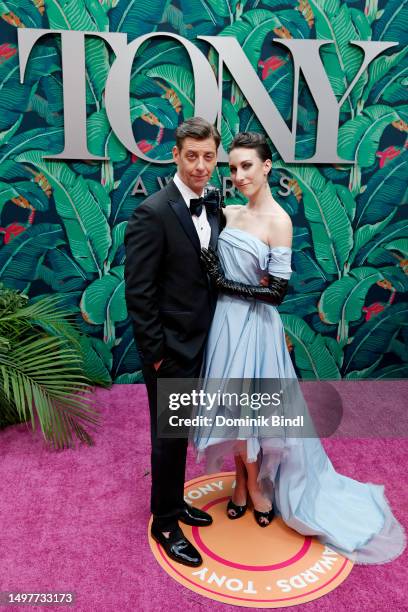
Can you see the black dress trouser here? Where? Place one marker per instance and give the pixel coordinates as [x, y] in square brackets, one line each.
[168, 457]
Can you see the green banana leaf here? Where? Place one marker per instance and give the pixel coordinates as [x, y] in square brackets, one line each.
[385, 191]
[344, 299]
[14, 97]
[101, 138]
[393, 23]
[118, 238]
[372, 11]
[400, 244]
[10, 170]
[380, 71]
[334, 20]
[399, 348]
[197, 9]
[249, 121]
[373, 338]
[95, 367]
[395, 93]
[396, 276]
[396, 371]
[162, 111]
[307, 111]
[381, 256]
[51, 87]
[230, 123]
[335, 349]
[359, 137]
[279, 87]
[176, 19]
[85, 15]
[40, 106]
[301, 235]
[67, 275]
[126, 358]
[331, 228]
[103, 301]
[305, 303]
[366, 233]
[311, 353]
[7, 192]
[143, 87]
[76, 15]
[155, 52]
[123, 202]
[25, 10]
[129, 379]
[30, 191]
[252, 30]
[83, 214]
[136, 18]
[48, 140]
[365, 372]
[97, 70]
[180, 79]
[108, 5]
[294, 21]
[309, 276]
[161, 150]
[399, 229]
[20, 259]
[347, 199]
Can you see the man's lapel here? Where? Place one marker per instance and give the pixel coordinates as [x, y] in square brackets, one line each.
[215, 229]
[182, 212]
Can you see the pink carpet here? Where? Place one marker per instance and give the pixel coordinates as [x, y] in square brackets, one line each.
[76, 520]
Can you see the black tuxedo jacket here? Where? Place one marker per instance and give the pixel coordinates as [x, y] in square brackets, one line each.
[168, 295]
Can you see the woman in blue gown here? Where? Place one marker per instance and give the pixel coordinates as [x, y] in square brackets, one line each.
[290, 475]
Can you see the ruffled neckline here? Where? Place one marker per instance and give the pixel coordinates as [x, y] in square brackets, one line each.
[237, 229]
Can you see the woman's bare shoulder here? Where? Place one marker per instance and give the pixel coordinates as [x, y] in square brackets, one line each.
[280, 229]
[281, 218]
[231, 209]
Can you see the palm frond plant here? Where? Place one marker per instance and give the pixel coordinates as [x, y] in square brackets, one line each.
[42, 370]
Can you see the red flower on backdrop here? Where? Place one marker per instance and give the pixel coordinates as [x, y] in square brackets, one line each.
[144, 146]
[6, 51]
[270, 65]
[377, 307]
[12, 230]
[388, 153]
[372, 310]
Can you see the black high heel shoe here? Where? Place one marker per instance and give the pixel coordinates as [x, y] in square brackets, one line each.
[264, 518]
[239, 510]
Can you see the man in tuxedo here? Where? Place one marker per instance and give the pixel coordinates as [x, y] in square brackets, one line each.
[171, 304]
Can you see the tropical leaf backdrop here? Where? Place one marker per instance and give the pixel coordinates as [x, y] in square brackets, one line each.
[62, 224]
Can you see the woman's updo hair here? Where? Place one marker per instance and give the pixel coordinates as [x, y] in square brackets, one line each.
[252, 140]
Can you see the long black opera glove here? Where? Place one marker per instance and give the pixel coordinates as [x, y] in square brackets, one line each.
[274, 293]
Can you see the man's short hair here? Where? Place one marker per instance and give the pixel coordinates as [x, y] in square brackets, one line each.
[198, 128]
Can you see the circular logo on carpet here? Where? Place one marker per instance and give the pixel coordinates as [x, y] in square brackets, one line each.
[245, 565]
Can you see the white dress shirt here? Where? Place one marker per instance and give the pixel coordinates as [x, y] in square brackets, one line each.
[201, 223]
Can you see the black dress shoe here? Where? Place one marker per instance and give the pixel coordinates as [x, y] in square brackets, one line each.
[195, 517]
[177, 547]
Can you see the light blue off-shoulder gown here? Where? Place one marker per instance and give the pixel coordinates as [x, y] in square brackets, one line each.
[247, 340]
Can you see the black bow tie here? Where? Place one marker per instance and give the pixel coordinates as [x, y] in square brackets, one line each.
[212, 201]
